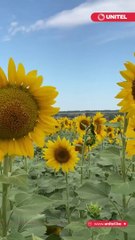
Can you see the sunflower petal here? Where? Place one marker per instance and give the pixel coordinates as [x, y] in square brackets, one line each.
[11, 71]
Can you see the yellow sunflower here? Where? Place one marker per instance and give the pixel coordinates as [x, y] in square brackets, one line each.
[111, 137]
[65, 123]
[99, 127]
[127, 94]
[130, 134]
[57, 126]
[82, 122]
[60, 154]
[1, 155]
[78, 144]
[109, 129]
[25, 110]
[130, 147]
[118, 118]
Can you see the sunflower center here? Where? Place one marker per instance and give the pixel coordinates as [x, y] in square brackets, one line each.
[62, 155]
[98, 128]
[98, 121]
[18, 112]
[83, 124]
[109, 129]
[133, 89]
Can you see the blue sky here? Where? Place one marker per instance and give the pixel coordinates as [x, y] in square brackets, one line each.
[80, 58]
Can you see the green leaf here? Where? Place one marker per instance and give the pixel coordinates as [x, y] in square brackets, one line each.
[38, 230]
[32, 202]
[80, 235]
[120, 187]
[76, 226]
[27, 217]
[114, 234]
[16, 236]
[130, 230]
[90, 188]
[53, 237]
[72, 238]
[55, 217]
[16, 180]
[105, 162]
[34, 225]
[36, 238]
[115, 179]
[51, 184]
[114, 125]
[130, 216]
[114, 150]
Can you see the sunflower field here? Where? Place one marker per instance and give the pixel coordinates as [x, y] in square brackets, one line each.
[56, 174]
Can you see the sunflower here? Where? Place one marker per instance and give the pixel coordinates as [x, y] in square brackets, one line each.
[78, 144]
[65, 123]
[130, 134]
[57, 126]
[1, 155]
[25, 110]
[99, 127]
[118, 118]
[82, 122]
[111, 137]
[127, 94]
[60, 155]
[130, 147]
[109, 129]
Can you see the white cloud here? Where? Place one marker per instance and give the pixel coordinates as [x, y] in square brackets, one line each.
[75, 17]
[80, 15]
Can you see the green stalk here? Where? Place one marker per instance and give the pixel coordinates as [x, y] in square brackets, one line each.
[26, 164]
[67, 195]
[117, 209]
[10, 163]
[124, 142]
[92, 234]
[123, 167]
[102, 145]
[82, 160]
[133, 165]
[4, 197]
[0, 168]
[89, 159]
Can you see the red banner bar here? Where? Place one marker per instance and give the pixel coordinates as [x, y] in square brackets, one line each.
[113, 17]
[107, 223]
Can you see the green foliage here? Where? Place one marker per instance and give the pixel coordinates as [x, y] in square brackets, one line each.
[37, 196]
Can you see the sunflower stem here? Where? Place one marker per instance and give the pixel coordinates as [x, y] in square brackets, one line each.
[133, 163]
[89, 161]
[67, 195]
[82, 160]
[4, 197]
[102, 145]
[10, 164]
[123, 156]
[0, 168]
[123, 168]
[26, 164]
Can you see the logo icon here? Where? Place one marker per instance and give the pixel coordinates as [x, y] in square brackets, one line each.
[101, 17]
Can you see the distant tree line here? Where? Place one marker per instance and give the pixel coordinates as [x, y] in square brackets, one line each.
[109, 114]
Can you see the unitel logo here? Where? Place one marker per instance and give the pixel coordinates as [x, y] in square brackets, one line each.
[102, 16]
[113, 17]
